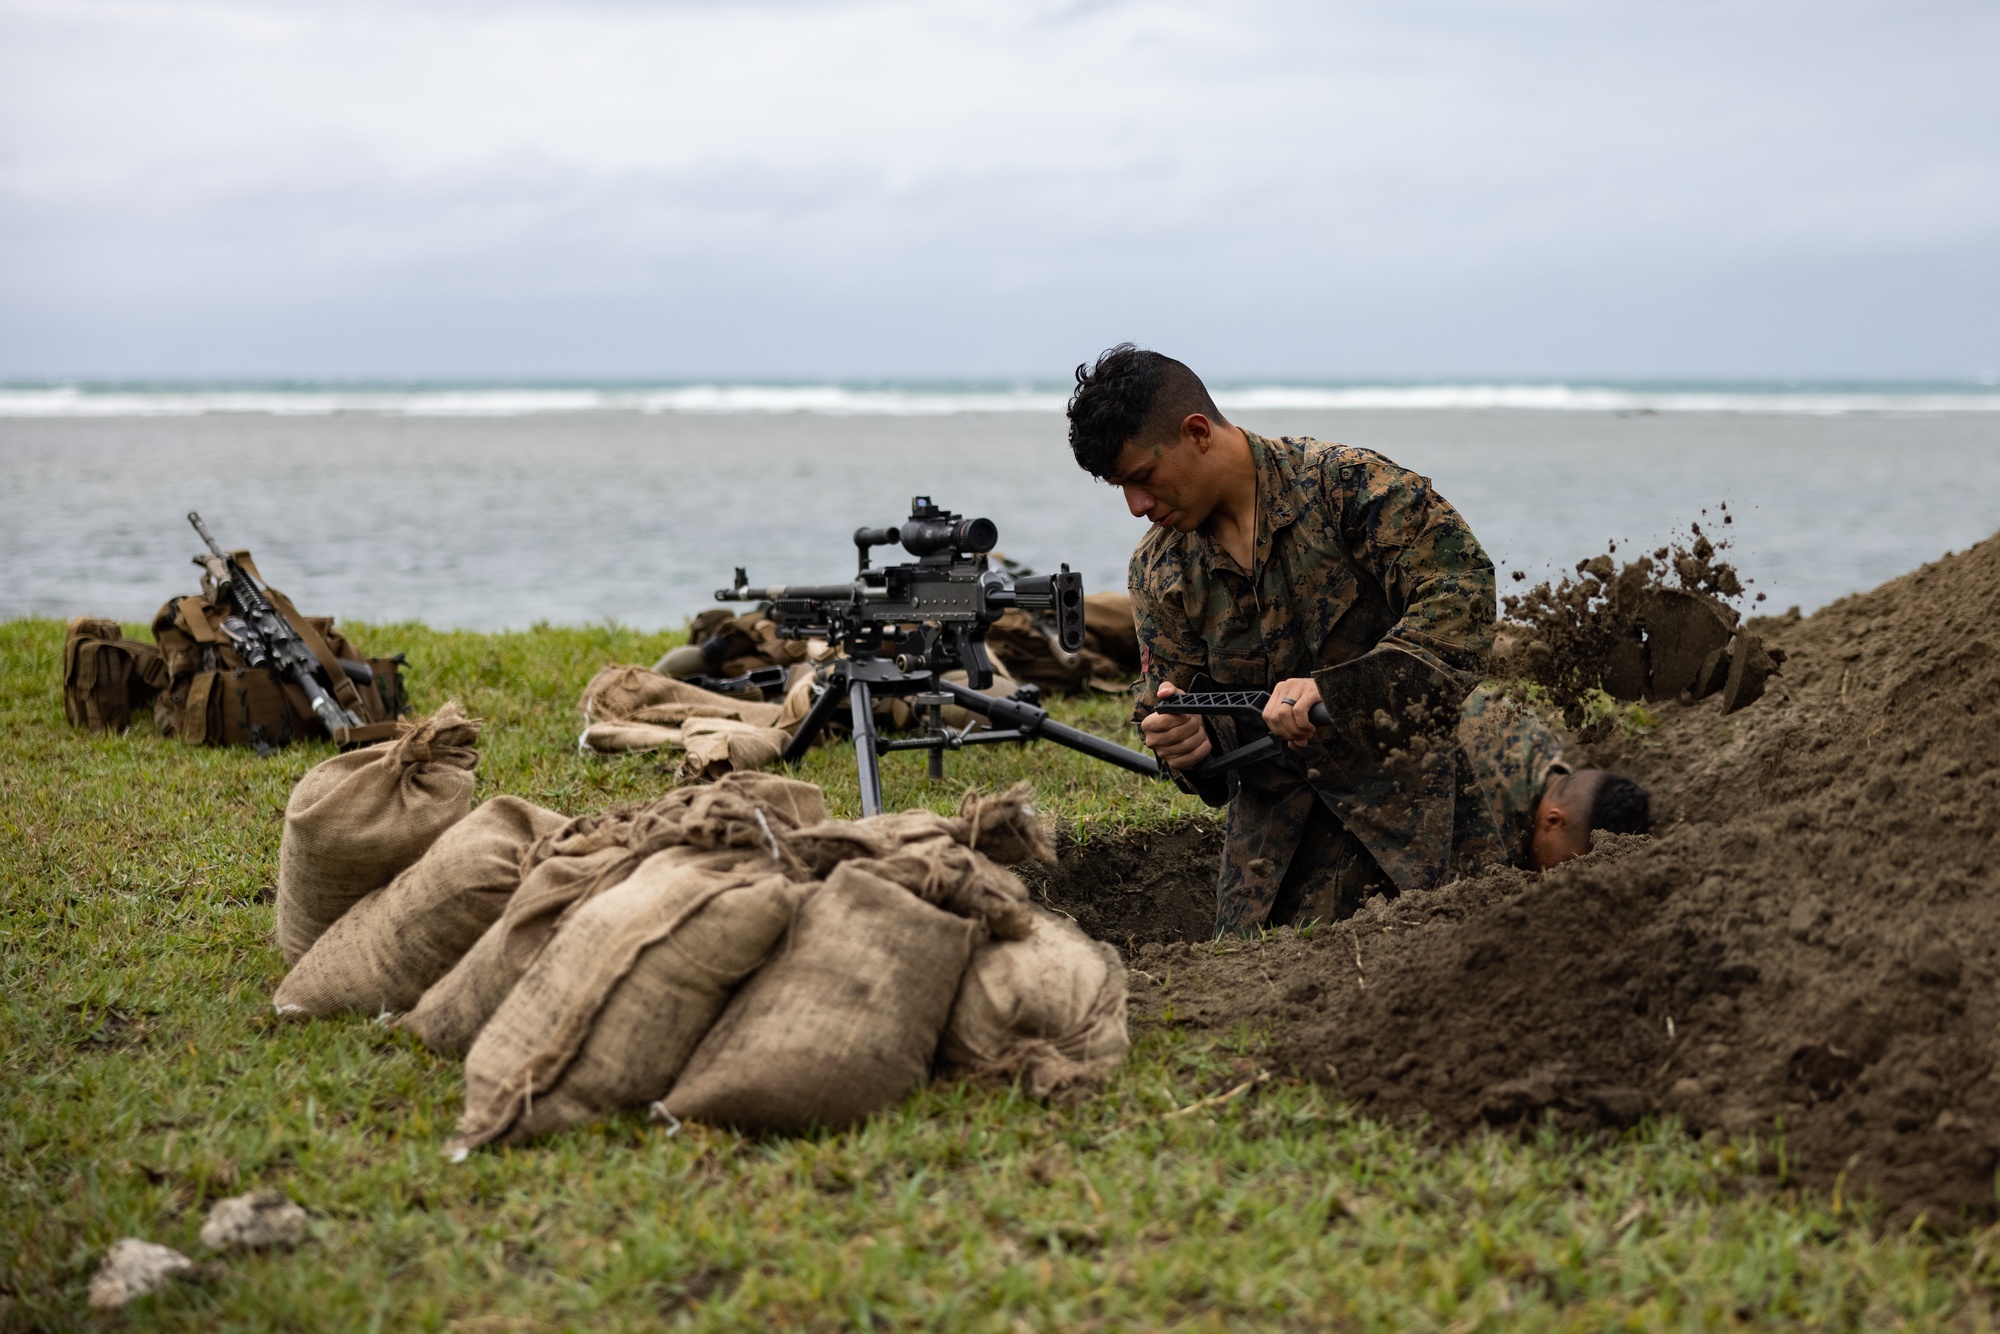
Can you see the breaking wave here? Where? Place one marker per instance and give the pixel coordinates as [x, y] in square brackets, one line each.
[937, 400]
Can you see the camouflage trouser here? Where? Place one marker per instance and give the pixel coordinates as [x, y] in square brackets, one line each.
[1327, 872]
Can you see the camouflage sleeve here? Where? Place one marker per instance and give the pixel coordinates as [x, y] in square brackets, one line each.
[1169, 650]
[1435, 573]
[1169, 647]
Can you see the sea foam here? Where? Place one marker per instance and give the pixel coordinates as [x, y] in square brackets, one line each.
[921, 400]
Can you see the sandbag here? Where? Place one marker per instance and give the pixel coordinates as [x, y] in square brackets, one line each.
[629, 693]
[1004, 826]
[1048, 1009]
[718, 746]
[591, 854]
[448, 1016]
[106, 676]
[842, 1021]
[607, 1015]
[1110, 628]
[354, 822]
[610, 737]
[387, 950]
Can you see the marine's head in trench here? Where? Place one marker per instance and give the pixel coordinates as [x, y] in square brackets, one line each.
[1315, 571]
[1573, 804]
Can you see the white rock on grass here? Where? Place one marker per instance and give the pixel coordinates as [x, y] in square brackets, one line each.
[133, 1268]
[261, 1218]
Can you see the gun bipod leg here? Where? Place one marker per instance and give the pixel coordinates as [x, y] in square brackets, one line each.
[867, 754]
[930, 707]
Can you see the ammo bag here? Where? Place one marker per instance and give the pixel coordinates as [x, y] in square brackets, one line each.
[213, 697]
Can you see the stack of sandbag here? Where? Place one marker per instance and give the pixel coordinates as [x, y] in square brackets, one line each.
[631, 708]
[845, 1018]
[628, 707]
[725, 951]
[739, 816]
[357, 821]
[1027, 646]
[776, 971]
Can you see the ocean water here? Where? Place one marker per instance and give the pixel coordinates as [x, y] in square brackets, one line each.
[492, 507]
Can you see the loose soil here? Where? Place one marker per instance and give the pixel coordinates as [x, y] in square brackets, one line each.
[1809, 942]
[1135, 889]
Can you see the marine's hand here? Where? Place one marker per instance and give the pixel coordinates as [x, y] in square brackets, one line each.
[1286, 714]
[1179, 739]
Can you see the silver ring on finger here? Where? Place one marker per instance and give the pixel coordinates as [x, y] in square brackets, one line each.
[1287, 701]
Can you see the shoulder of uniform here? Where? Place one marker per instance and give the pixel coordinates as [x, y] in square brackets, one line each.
[1335, 464]
[1159, 549]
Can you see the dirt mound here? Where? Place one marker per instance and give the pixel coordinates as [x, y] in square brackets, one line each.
[1811, 941]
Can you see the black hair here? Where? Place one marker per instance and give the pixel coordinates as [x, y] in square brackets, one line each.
[1131, 394]
[1621, 806]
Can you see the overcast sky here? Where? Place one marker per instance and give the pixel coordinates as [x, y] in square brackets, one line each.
[1535, 188]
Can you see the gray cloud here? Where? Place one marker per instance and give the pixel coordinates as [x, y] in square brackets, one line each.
[901, 188]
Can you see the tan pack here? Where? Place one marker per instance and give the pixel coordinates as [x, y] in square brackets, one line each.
[212, 697]
[106, 676]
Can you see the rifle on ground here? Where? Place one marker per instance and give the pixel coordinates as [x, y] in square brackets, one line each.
[1234, 704]
[902, 626]
[267, 640]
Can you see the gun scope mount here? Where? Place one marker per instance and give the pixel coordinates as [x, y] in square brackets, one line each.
[931, 533]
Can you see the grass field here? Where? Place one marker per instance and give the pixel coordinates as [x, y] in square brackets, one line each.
[145, 1076]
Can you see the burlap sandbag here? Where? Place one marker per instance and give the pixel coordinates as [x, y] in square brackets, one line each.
[1004, 826]
[450, 1013]
[607, 1015]
[630, 693]
[621, 738]
[798, 697]
[1109, 628]
[841, 1023]
[354, 822]
[718, 746]
[1049, 1009]
[592, 854]
[388, 949]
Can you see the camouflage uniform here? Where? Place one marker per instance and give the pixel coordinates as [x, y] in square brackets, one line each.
[1505, 757]
[1354, 556]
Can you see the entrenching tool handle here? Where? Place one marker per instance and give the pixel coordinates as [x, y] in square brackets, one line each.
[1232, 704]
[1235, 704]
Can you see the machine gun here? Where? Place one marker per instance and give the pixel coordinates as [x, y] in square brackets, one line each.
[902, 626]
[267, 640]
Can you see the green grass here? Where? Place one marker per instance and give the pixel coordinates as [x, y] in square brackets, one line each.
[145, 1077]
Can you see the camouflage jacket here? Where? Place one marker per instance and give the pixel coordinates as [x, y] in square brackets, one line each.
[1505, 757]
[1352, 554]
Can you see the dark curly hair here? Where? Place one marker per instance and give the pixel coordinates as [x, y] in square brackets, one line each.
[1131, 394]
[1621, 806]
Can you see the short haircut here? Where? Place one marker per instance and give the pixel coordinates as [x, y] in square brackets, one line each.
[1621, 806]
[1131, 394]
